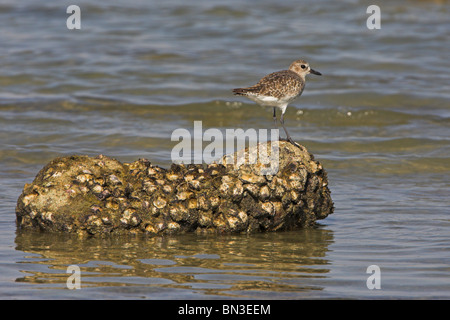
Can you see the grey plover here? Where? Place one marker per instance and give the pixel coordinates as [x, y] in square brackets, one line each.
[278, 89]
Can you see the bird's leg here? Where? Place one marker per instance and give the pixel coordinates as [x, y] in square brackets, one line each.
[275, 119]
[275, 116]
[288, 137]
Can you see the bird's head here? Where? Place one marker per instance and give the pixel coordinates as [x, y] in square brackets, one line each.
[302, 68]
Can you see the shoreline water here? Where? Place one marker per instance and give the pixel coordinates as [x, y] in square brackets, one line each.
[377, 120]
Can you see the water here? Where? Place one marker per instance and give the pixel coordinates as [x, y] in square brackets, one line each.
[378, 120]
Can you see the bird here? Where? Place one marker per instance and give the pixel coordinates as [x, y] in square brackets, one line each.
[278, 89]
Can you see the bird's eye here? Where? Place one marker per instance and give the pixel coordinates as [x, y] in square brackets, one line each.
[303, 66]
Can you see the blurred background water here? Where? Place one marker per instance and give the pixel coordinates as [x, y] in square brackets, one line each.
[378, 120]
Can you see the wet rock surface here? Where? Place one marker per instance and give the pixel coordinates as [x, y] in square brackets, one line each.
[100, 195]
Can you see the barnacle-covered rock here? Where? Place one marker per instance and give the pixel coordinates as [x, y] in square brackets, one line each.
[242, 193]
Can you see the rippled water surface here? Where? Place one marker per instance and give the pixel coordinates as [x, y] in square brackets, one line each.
[377, 119]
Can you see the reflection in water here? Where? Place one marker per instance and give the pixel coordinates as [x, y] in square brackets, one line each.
[229, 265]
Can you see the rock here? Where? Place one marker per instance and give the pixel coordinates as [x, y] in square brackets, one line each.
[100, 195]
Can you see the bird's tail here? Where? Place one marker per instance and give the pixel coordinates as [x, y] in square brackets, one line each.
[243, 91]
[240, 91]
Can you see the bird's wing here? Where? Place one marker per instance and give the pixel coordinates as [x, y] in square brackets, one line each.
[278, 84]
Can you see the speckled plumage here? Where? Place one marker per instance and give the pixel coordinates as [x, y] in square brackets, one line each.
[282, 86]
[278, 89]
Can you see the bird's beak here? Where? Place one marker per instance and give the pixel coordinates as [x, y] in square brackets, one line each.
[315, 72]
